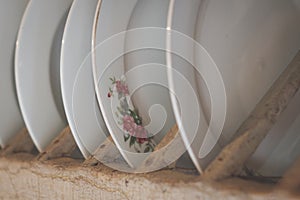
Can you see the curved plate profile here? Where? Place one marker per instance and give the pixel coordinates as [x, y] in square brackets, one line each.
[11, 122]
[249, 47]
[78, 91]
[115, 36]
[182, 76]
[37, 69]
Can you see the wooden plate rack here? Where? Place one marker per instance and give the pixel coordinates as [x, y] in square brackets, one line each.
[56, 174]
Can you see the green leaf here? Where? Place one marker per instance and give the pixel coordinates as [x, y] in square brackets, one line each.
[151, 149]
[132, 141]
[150, 145]
[126, 137]
[136, 117]
[132, 113]
[147, 150]
[127, 112]
[113, 80]
[138, 122]
[136, 111]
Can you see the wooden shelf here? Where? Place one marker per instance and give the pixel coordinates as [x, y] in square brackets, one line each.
[23, 177]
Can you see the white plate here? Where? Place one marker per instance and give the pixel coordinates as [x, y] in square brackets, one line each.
[37, 69]
[147, 87]
[11, 122]
[182, 82]
[109, 63]
[77, 84]
[246, 44]
[112, 18]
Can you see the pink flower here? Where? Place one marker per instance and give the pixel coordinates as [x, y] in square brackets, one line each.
[140, 132]
[122, 88]
[129, 124]
[135, 130]
[142, 140]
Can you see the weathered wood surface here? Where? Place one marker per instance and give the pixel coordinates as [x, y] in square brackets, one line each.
[251, 133]
[108, 154]
[21, 143]
[290, 183]
[63, 145]
[23, 177]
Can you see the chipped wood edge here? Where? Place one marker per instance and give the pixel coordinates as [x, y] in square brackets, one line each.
[63, 145]
[251, 133]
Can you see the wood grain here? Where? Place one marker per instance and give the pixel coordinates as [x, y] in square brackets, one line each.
[22, 177]
[251, 133]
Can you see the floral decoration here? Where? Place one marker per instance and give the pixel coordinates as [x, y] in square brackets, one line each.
[135, 133]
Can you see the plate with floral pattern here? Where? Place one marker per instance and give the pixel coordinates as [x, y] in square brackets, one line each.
[116, 81]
